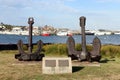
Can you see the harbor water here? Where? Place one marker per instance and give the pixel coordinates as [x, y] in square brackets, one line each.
[13, 39]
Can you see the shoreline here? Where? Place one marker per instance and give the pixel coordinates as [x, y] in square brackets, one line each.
[14, 46]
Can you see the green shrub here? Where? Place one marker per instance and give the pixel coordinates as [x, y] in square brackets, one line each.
[55, 49]
[78, 47]
[89, 48]
[50, 49]
[110, 51]
[25, 47]
[61, 49]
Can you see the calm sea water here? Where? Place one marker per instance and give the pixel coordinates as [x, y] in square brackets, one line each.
[13, 39]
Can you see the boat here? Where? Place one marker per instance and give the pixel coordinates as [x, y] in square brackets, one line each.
[89, 32]
[64, 33]
[118, 33]
[45, 33]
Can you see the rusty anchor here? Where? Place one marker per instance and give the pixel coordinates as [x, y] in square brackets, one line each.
[83, 55]
[22, 55]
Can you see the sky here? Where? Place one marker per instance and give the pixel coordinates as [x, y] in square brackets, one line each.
[100, 14]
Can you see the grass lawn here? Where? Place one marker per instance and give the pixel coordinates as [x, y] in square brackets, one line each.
[109, 70]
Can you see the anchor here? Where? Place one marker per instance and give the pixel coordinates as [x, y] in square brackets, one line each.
[22, 55]
[83, 55]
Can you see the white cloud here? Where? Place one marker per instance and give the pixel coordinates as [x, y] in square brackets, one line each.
[17, 11]
[46, 5]
[56, 12]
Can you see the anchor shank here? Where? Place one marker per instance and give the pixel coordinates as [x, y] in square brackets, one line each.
[82, 24]
[83, 40]
[30, 22]
[30, 38]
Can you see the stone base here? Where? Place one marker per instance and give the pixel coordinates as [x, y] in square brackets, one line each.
[56, 65]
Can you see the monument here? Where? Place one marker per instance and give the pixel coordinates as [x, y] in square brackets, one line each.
[23, 56]
[94, 55]
[56, 65]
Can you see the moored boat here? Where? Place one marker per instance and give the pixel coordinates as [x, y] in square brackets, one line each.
[64, 33]
[45, 33]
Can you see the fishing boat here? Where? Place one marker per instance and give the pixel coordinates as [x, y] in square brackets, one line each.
[45, 33]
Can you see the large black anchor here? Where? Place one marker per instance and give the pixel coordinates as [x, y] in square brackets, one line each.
[93, 55]
[23, 56]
